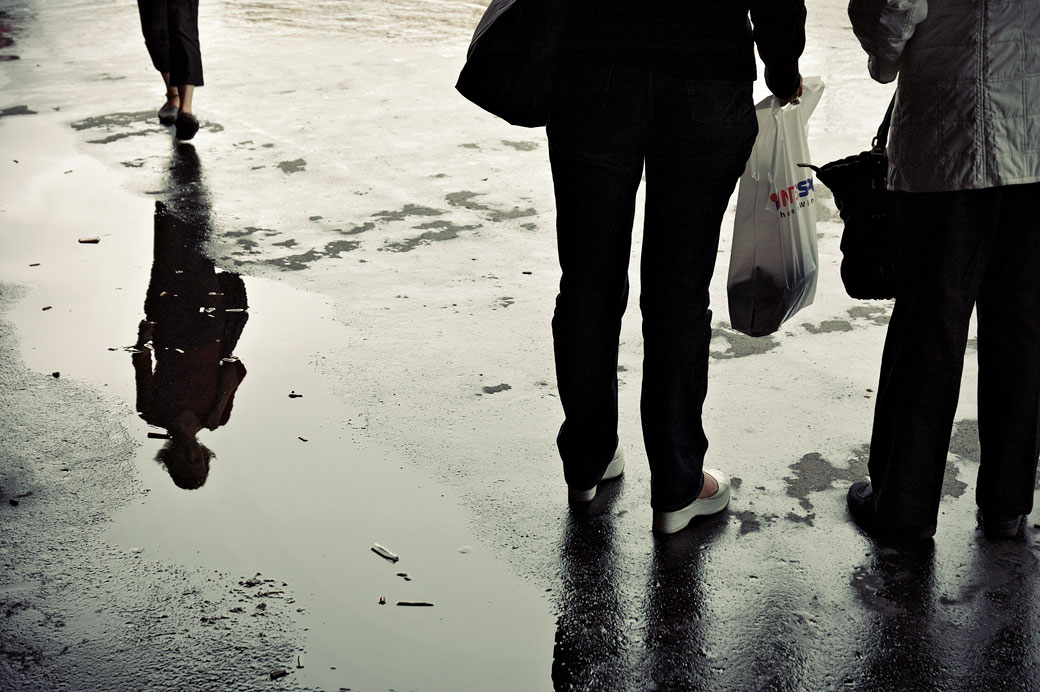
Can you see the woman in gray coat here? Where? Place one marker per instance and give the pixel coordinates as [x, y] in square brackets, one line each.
[964, 159]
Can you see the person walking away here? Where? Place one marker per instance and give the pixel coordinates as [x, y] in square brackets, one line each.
[964, 160]
[171, 34]
[665, 88]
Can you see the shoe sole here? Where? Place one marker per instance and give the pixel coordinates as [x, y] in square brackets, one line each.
[614, 469]
[672, 522]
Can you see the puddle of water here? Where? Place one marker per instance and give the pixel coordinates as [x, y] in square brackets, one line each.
[301, 511]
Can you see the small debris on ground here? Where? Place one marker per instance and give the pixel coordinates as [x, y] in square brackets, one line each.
[55, 374]
[421, 604]
[294, 395]
[303, 439]
[465, 549]
[45, 308]
[35, 264]
[93, 240]
[275, 674]
[382, 600]
[385, 552]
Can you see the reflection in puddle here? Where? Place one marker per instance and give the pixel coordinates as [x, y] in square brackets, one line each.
[301, 513]
[194, 317]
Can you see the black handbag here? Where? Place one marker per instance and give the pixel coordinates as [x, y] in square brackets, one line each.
[511, 58]
[867, 207]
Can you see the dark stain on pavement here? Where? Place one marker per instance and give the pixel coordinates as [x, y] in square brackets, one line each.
[751, 521]
[367, 226]
[296, 262]
[406, 211]
[828, 326]
[294, 166]
[877, 315]
[521, 146]
[337, 247]
[496, 388]
[813, 473]
[438, 230]
[740, 345]
[16, 110]
[965, 440]
[128, 124]
[465, 199]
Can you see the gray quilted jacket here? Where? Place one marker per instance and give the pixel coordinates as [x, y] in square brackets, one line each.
[967, 109]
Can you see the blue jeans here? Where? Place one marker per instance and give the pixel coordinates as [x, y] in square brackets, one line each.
[694, 138]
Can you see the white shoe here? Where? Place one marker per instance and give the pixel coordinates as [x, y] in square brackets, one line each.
[670, 522]
[614, 469]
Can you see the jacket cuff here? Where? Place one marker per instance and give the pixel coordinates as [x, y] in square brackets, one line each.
[783, 80]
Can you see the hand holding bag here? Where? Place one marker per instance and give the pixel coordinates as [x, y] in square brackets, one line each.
[774, 260]
[867, 207]
[511, 60]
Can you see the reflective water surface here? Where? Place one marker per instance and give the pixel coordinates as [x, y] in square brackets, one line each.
[343, 298]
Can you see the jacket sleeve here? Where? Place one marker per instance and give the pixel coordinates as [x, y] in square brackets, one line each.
[883, 28]
[779, 31]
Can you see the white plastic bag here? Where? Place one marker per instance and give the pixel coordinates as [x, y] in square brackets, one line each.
[773, 262]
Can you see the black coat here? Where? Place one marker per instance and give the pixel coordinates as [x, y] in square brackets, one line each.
[688, 38]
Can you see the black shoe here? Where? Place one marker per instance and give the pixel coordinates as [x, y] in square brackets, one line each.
[1001, 526]
[187, 126]
[168, 114]
[860, 501]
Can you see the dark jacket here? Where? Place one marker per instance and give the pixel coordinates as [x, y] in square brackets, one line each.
[689, 39]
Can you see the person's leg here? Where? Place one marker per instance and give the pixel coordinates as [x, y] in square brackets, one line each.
[185, 52]
[156, 37]
[185, 93]
[1009, 359]
[185, 61]
[597, 163]
[947, 241]
[157, 41]
[703, 133]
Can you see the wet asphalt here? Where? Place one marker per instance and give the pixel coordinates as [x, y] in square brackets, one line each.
[398, 281]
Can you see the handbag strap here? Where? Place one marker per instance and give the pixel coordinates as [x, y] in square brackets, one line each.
[881, 140]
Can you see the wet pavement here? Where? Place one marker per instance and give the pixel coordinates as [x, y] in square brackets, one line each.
[396, 267]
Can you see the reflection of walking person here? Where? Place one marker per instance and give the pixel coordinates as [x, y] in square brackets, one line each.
[171, 34]
[664, 87]
[194, 318]
[963, 157]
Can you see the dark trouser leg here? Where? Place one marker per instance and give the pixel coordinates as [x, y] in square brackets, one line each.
[185, 53]
[698, 150]
[947, 242]
[1009, 357]
[156, 34]
[597, 163]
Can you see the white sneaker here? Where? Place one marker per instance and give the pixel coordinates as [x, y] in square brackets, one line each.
[614, 469]
[670, 522]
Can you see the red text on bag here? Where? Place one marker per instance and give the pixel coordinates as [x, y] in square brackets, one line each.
[781, 198]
